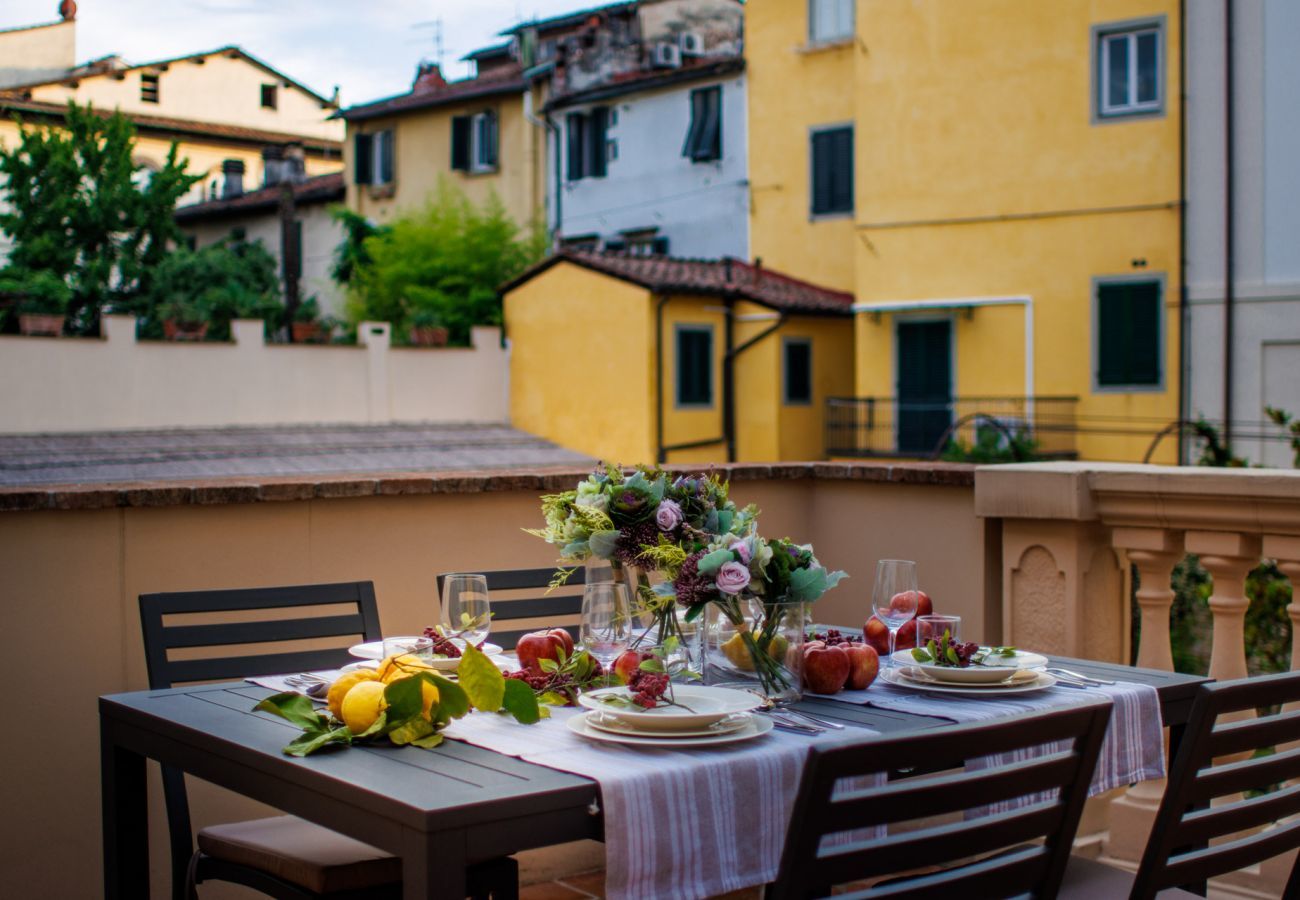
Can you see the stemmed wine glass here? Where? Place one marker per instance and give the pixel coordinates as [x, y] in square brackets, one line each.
[895, 599]
[606, 620]
[466, 612]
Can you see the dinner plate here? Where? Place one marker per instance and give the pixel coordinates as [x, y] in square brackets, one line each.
[503, 663]
[698, 707]
[755, 727]
[1023, 659]
[607, 721]
[892, 676]
[953, 674]
[375, 650]
[1011, 678]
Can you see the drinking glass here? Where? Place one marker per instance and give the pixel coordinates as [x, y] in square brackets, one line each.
[894, 598]
[932, 628]
[606, 620]
[466, 613]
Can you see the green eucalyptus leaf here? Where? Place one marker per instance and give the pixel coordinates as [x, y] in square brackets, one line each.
[482, 680]
[520, 701]
[452, 699]
[602, 543]
[712, 562]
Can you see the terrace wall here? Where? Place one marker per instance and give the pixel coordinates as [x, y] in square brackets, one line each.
[117, 382]
[75, 560]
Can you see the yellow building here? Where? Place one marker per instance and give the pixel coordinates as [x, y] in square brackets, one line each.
[479, 133]
[639, 358]
[998, 183]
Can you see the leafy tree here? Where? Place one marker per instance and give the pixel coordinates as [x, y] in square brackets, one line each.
[219, 283]
[76, 214]
[442, 264]
[351, 251]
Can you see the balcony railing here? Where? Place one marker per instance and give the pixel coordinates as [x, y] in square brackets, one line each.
[890, 427]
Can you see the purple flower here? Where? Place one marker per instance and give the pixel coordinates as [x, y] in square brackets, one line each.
[741, 549]
[733, 578]
[669, 515]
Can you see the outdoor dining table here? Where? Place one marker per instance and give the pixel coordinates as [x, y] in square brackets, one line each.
[439, 810]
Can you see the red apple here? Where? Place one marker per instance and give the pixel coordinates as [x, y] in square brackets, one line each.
[876, 633]
[906, 639]
[923, 605]
[628, 662]
[864, 665]
[825, 669]
[811, 644]
[538, 645]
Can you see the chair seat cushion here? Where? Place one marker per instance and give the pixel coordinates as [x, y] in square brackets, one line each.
[304, 854]
[1087, 879]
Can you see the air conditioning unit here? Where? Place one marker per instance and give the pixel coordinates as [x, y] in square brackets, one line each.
[691, 42]
[666, 56]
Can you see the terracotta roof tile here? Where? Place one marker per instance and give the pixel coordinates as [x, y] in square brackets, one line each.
[320, 189]
[508, 80]
[709, 277]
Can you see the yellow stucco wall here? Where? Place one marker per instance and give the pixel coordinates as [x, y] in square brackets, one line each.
[803, 426]
[31, 54]
[792, 89]
[581, 363]
[218, 89]
[423, 155]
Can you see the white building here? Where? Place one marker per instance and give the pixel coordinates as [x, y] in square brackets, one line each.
[1242, 347]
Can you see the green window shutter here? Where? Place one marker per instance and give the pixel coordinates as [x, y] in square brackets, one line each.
[832, 171]
[490, 131]
[386, 160]
[460, 143]
[574, 145]
[362, 158]
[598, 127]
[798, 371]
[704, 137]
[694, 367]
[1128, 334]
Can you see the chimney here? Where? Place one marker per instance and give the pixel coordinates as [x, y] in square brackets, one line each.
[232, 170]
[428, 77]
[295, 163]
[68, 10]
[273, 166]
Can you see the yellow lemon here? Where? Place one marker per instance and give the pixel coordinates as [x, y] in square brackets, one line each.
[395, 667]
[735, 650]
[362, 705]
[344, 683]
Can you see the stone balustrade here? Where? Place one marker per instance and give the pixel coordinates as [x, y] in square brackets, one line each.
[1071, 535]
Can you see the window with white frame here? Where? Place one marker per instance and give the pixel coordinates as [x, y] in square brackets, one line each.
[1129, 63]
[474, 142]
[829, 20]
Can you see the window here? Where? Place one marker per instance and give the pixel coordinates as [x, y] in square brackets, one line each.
[586, 143]
[639, 242]
[797, 362]
[704, 137]
[694, 365]
[474, 142]
[832, 171]
[270, 96]
[148, 87]
[829, 20]
[1128, 339]
[373, 158]
[1128, 61]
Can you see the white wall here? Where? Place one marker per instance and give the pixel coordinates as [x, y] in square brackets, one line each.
[1266, 265]
[702, 208]
[84, 384]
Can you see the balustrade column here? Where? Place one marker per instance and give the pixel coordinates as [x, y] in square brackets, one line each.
[1228, 558]
[1286, 550]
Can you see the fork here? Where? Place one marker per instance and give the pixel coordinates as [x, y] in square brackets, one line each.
[788, 724]
[1056, 670]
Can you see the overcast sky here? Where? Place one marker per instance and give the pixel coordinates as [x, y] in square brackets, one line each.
[369, 49]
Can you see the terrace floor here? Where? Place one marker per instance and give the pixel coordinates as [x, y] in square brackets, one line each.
[150, 455]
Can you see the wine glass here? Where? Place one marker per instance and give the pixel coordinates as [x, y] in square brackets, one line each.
[466, 613]
[606, 620]
[895, 599]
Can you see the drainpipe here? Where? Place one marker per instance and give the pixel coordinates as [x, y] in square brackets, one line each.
[559, 182]
[545, 124]
[1184, 344]
[1229, 226]
[729, 377]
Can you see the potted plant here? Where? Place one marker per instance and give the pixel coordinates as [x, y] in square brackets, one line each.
[184, 318]
[307, 325]
[426, 329]
[41, 298]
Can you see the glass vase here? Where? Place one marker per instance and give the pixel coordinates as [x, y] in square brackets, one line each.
[659, 622]
[755, 646]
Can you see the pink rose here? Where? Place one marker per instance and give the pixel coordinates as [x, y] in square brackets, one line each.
[669, 515]
[732, 578]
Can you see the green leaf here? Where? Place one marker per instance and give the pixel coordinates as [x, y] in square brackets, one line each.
[552, 697]
[652, 665]
[951, 654]
[452, 699]
[405, 698]
[311, 741]
[376, 728]
[921, 656]
[520, 701]
[482, 680]
[694, 612]
[602, 543]
[411, 730]
[549, 665]
[712, 562]
[294, 707]
[428, 742]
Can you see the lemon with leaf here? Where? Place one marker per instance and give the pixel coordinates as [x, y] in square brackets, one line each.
[344, 683]
[362, 705]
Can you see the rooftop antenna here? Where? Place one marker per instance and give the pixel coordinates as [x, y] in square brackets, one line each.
[436, 25]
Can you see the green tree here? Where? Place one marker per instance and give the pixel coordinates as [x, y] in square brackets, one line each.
[219, 283]
[442, 265]
[76, 214]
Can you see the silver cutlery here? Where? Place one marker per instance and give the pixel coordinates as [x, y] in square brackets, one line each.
[1056, 670]
[813, 720]
[788, 724]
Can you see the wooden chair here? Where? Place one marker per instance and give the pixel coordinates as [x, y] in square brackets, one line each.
[983, 854]
[1179, 853]
[282, 856]
[548, 609]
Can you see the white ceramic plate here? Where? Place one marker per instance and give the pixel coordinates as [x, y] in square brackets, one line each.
[1022, 660]
[605, 721]
[1013, 678]
[440, 665]
[375, 650]
[755, 727]
[894, 677]
[704, 706]
[969, 675]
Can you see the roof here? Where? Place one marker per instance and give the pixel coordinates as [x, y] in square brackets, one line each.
[14, 28]
[568, 20]
[704, 277]
[509, 80]
[229, 49]
[320, 189]
[649, 80]
[488, 52]
[182, 127]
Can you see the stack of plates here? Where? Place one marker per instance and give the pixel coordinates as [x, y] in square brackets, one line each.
[374, 650]
[703, 717]
[1011, 675]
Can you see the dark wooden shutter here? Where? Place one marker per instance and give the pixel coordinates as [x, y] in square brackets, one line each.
[694, 367]
[490, 149]
[386, 161]
[832, 165]
[362, 158]
[1128, 334]
[704, 142]
[598, 127]
[575, 146]
[460, 143]
[798, 371]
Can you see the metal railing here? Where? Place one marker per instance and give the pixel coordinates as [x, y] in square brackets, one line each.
[888, 427]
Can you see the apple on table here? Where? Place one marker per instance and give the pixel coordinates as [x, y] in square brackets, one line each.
[538, 645]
